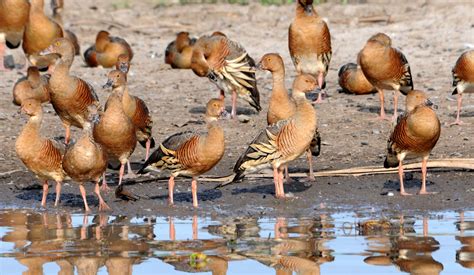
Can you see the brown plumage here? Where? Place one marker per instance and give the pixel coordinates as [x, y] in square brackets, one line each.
[385, 68]
[40, 155]
[40, 32]
[136, 109]
[415, 135]
[70, 95]
[115, 130]
[189, 153]
[57, 6]
[178, 53]
[106, 50]
[86, 160]
[13, 18]
[309, 42]
[284, 141]
[33, 86]
[282, 106]
[228, 65]
[463, 79]
[353, 81]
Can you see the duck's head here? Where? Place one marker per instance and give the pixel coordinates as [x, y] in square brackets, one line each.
[381, 38]
[123, 63]
[60, 46]
[271, 62]
[115, 78]
[307, 5]
[31, 107]
[304, 86]
[417, 98]
[215, 109]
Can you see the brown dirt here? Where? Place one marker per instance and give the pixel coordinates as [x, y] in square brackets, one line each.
[432, 36]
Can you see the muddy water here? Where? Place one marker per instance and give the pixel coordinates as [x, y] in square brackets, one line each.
[345, 243]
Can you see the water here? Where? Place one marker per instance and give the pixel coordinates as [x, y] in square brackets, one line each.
[346, 243]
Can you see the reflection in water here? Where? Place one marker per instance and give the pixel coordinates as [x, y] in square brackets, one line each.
[411, 254]
[104, 244]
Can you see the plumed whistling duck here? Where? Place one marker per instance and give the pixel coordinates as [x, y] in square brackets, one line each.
[309, 42]
[86, 160]
[70, 95]
[415, 135]
[34, 86]
[40, 32]
[353, 81]
[13, 18]
[385, 68]
[40, 155]
[228, 65]
[189, 153]
[115, 130]
[282, 106]
[106, 50]
[284, 141]
[463, 79]
[178, 53]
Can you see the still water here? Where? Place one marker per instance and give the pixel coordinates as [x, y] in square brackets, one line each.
[345, 243]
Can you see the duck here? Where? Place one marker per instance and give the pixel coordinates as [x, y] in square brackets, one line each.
[33, 85]
[415, 135]
[282, 106]
[106, 50]
[228, 65]
[178, 53]
[123, 63]
[70, 95]
[189, 153]
[13, 18]
[40, 155]
[115, 130]
[353, 81]
[387, 68]
[284, 141]
[309, 41]
[463, 79]
[57, 6]
[86, 160]
[137, 111]
[40, 32]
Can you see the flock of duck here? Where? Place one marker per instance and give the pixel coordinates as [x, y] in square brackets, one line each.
[110, 132]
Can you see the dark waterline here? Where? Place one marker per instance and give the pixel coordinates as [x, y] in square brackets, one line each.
[343, 243]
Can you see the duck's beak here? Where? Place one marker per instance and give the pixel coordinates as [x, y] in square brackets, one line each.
[429, 103]
[123, 67]
[224, 114]
[109, 84]
[308, 9]
[313, 95]
[259, 66]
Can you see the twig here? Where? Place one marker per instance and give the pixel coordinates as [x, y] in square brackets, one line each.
[375, 19]
[10, 172]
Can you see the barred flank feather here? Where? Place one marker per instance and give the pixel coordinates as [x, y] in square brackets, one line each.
[406, 82]
[316, 144]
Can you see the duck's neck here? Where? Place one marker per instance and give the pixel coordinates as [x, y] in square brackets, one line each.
[127, 100]
[37, 7]
[31, 131]
[279, 89]
[60, 74]
[305, 113]
[215, 133]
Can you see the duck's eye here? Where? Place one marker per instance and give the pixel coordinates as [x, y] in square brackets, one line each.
[58, 43]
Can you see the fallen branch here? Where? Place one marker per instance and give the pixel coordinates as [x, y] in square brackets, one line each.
[467, 164]
[375, 19]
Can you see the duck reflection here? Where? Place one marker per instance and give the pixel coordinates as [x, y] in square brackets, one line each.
[411, 254]
[465, 255]
[41, 238]
[296, 248]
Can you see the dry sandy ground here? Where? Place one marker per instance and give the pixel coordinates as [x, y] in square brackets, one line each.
[431, 36]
